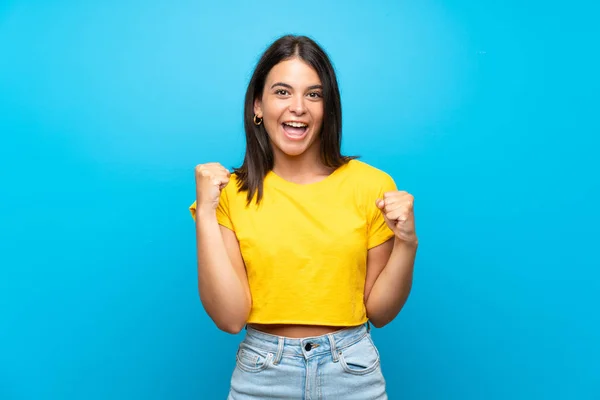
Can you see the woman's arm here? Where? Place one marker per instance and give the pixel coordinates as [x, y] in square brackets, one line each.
[390, 265]
[389, 279]
[222, 280]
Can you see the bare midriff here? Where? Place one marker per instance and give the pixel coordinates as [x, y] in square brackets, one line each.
[296, 331]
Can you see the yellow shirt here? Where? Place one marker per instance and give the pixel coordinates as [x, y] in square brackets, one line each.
[305, 246]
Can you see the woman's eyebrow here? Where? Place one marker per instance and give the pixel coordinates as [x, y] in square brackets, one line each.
[290, 86]
[281, 84]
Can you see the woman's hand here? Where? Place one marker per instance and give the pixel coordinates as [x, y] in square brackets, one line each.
[397, 209]
[211, 179]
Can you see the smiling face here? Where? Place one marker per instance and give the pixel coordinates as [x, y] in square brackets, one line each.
[292, 108]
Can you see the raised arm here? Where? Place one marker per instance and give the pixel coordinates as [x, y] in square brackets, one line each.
[390, 265]
[222, 280]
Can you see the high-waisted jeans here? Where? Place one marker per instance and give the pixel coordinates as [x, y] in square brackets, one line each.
[341, 365]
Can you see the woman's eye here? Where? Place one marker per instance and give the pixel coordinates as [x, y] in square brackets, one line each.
[315, 95]
[281, 92]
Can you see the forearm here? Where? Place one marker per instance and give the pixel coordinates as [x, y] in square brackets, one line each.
[223, 293]
[393, 285]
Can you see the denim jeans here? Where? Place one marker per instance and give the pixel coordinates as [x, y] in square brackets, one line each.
[341, 365]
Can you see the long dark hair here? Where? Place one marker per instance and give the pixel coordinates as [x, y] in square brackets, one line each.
[259, 158]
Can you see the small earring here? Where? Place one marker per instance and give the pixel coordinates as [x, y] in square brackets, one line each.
[257, 120]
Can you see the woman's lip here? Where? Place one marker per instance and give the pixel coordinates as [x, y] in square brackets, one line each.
[295, 122]
[294, 137]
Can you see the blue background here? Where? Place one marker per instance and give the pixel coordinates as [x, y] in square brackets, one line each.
[483, 111]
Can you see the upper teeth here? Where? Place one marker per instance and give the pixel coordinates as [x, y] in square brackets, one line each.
[296, 124]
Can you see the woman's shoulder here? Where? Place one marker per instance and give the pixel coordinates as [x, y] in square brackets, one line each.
[369, 174]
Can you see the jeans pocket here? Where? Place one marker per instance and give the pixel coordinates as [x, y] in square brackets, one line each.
[251, 359]
[360, 358]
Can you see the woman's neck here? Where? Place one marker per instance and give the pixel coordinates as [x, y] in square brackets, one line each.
[302, 169]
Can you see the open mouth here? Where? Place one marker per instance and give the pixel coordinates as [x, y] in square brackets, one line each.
[295, 130]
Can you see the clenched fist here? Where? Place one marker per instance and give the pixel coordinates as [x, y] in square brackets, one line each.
[397, 209]
[211, 178]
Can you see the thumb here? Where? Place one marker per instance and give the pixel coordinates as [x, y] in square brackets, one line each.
[380, 204]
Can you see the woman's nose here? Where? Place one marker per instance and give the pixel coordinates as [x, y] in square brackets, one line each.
[297, 105]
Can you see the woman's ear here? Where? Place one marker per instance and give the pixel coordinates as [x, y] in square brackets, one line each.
[258, 108]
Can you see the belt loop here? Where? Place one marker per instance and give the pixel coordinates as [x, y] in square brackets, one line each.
[280, 343]
[368, 326]
[334, 352]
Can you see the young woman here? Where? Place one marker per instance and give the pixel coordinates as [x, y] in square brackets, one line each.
[301, 245]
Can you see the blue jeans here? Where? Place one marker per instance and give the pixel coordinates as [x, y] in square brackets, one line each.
[342, 365]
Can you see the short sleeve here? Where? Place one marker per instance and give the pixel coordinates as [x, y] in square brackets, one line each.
[193, 210]
[223, 211]
[378, 231]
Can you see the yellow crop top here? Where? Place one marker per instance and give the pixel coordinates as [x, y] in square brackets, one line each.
[305, 246]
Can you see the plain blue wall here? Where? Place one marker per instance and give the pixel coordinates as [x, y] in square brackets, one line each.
[482, 111]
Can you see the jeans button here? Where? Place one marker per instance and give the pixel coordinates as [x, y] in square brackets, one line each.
[308, 347]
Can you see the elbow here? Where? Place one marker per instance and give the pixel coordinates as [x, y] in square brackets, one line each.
[378, 323]
[232, 321]
[231, 327]
[229, 323]
[229, 316]
[375, 318]
[379, 316]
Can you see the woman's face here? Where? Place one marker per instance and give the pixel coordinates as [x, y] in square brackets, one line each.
[292, 107]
